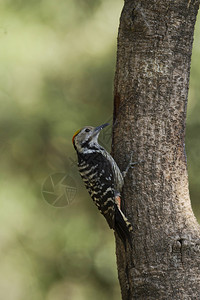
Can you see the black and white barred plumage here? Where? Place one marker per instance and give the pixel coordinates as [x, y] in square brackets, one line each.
[102, 178]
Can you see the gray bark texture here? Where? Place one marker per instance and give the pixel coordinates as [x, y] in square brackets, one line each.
[150, 100]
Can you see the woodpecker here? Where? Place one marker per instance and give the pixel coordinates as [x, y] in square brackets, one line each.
[103, 179]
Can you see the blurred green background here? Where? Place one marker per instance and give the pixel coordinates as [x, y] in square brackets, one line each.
[57, 66]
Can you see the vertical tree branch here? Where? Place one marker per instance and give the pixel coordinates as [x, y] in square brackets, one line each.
[150, 100]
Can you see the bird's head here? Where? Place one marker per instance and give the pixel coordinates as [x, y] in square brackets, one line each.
[87, 137]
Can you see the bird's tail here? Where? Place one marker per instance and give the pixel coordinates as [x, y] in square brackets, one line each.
[122, 226]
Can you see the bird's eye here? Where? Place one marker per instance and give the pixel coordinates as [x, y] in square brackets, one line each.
[87, 130]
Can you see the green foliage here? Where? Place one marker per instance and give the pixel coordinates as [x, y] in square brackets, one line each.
[57, 67]
[193, 124]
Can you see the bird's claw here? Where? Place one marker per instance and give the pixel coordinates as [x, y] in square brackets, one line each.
[131, 165]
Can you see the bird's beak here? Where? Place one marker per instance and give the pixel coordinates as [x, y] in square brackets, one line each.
[99, 128]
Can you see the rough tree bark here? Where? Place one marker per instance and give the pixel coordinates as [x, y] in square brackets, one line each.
[150, 99]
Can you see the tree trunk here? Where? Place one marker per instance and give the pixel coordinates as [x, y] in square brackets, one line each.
[150, 99]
